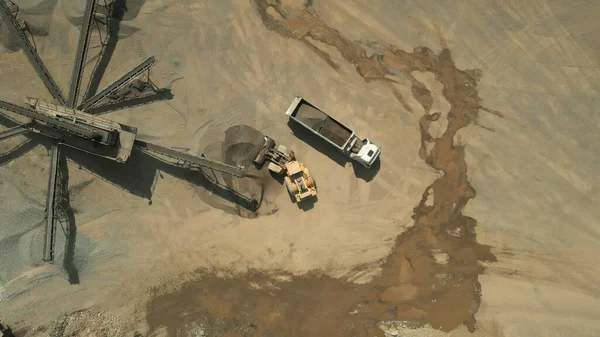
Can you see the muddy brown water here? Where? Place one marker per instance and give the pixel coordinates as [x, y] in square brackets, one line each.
[431, 275]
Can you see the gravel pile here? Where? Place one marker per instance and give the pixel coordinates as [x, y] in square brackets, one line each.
[241, 144]
[85, 323]
[21, 232]
[38, 16]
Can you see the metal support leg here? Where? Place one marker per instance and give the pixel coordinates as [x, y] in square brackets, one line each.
[51, 205]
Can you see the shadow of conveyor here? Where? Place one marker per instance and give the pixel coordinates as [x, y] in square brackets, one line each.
[21, 149]
[67, 221]
[319, 144]
[163, 94]
[139, 175]
[17, 151]
[209, 182]
[116, 13]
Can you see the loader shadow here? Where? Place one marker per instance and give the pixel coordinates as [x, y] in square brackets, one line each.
[319, 144]
[307, 204]
[139, 176]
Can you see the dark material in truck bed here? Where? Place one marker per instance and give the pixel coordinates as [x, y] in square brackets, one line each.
[322, 123]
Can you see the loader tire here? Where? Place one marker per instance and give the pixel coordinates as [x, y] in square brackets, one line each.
[310, 183]
[291, 187]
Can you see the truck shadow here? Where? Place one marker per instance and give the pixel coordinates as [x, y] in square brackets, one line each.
[367, 174]
[140, 174]
[317, 143]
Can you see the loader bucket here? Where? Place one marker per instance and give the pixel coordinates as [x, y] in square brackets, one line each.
[262, 153]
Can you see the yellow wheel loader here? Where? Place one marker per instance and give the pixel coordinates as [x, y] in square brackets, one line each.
[297, 180]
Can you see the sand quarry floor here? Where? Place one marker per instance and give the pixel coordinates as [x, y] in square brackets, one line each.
[481, 218]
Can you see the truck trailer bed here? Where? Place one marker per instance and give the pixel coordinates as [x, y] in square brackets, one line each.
[322, 123]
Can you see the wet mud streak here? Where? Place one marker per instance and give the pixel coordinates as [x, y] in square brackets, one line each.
[431, 275]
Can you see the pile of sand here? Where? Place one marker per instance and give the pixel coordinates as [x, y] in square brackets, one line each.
[8, 42]
[240, 146]
[38, 16]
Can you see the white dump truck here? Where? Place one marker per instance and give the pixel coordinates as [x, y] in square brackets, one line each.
[334, 132]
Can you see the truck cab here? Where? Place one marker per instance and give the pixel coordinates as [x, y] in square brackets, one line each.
[365, 153]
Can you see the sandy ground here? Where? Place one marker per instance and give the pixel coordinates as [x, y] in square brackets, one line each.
[529, 156]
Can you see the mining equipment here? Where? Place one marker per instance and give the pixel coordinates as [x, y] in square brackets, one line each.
[67, 121]
[297, 179]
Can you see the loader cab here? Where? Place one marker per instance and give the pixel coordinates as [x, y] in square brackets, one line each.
[298, 181]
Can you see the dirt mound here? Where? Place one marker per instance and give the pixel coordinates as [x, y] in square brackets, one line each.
[73, 11]
[241, 144]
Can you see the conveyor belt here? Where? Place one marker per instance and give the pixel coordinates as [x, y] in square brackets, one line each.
[135, 72]
[31, 53]
[191, 160]
[50, 205]
[14, 131]
[136, 101]
[82, 48]
[69, 127]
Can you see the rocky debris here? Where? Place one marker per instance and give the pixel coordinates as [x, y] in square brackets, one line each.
[196, 330]
[408, 329]
[85, 323]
